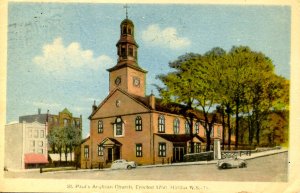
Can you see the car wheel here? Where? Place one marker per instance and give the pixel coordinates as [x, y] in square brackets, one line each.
[243, 165]
[129, 167]
[224, 166]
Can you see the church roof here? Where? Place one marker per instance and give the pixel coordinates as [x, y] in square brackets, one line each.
[172, 108]
[133, 66]
[127, 21]
[178, 137]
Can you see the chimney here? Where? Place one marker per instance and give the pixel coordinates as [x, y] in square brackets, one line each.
[39, 111]
[152, 100]
[94, 106]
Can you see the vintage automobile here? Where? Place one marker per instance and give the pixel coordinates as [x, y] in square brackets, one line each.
[231, 163]
[123, 164]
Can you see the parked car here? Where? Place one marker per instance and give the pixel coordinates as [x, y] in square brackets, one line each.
[123, 164]
[231, 163]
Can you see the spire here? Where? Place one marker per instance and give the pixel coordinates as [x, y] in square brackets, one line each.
[126, 7]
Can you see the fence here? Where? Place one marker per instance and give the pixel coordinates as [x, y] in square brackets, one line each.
[205, 156]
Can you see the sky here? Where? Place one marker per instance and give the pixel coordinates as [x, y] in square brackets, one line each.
[58, 53]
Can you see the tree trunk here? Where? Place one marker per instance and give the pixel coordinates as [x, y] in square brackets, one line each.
[191, 135]
[59, 155]
[229, 127]
[71, 153]
[237, 103]
[208, 140]
[223, 130]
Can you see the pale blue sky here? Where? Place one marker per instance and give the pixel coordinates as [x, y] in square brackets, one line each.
[58, 53]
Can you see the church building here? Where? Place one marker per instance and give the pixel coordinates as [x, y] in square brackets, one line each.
[128, 124]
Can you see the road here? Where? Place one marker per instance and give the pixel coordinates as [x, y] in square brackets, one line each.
[271, 168]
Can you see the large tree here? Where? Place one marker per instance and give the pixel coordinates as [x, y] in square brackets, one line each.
[179, 87]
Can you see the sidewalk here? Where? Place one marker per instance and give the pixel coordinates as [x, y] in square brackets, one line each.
[245, 157]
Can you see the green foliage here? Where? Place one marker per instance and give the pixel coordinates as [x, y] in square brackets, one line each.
[242, 82]
[64, 138]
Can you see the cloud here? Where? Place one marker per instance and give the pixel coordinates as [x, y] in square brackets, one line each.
[60, 58]
[167, 37]
[44, 105]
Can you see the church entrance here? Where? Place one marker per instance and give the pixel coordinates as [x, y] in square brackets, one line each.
[178, 153]
[113, 153]
[112, 149]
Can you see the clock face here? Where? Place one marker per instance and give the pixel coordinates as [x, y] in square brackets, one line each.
[136, 81]
[118, 81]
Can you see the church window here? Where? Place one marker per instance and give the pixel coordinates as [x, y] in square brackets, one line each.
[161, 124]
[119, 127]
[124, 29]
[86, 152]
[176, 126]
[187, 127]
[100, 150]
[123, 50]
[197, 147]
[162, 149]
[130, 51]
[129, 30]
[138, 123]
[139, 150]
[100, 126]
[197, 125]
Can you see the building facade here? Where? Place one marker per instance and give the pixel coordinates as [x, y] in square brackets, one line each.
[62, 119]
[25, 145]
[128, 124]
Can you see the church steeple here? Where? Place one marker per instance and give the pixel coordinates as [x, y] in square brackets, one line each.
[127, 46]
[127, 74]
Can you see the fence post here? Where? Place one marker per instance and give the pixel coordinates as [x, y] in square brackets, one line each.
[41, 169]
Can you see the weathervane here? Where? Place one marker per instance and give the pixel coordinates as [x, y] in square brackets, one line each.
[126, 7]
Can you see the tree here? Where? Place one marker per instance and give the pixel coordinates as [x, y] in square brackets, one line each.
[192, 84]
[179, 88]
[54, 137]
[64, 139]
[72, 137]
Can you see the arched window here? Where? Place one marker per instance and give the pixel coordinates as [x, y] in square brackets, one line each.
[118, 127]
[187, 127]
[100, 126]
[138, 123]
[176, 126]
[161, 124]
[124, 29]
[197, 126]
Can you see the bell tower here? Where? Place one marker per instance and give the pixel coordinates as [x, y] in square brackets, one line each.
[127, 74]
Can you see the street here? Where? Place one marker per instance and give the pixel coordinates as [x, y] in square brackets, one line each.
[272, 168]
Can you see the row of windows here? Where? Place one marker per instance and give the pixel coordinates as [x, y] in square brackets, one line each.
[65, 121]
[39, 151]
[162, 150]
[161, 126]
[39, 143]
[33, 133]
